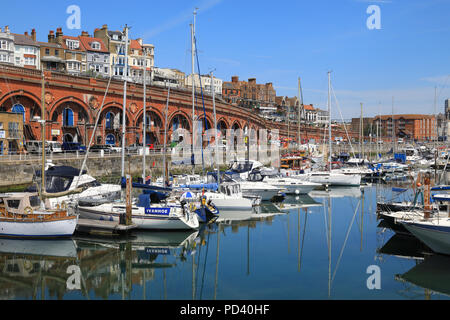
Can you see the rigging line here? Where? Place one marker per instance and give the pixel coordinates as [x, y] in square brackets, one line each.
[345, 127]
[303, 238]
[345, 242]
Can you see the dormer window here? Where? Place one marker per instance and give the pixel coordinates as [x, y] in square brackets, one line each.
[95, 45]
[73, 44]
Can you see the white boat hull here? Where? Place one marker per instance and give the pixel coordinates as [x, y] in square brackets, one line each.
[142, 220]
[38, 229]
[265, 194]
[335, 179]
[224, 202]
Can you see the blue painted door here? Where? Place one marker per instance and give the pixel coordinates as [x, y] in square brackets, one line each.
[68, 117]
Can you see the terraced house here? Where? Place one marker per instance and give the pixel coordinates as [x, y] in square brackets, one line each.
[27, 50]
[6, 46]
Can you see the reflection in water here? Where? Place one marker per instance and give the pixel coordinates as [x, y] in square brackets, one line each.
[323, 243]
[432, 275]
[27, 273]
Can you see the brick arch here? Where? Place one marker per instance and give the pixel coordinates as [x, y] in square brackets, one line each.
[236, 123]
[210, 121]
[24, 93]
[31, 106]
[57, 104]
[140, 114]
[224, 121]
[176, 113]
[110, 106]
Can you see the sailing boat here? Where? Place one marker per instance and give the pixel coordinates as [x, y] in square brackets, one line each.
[23, 215]
[331, 177]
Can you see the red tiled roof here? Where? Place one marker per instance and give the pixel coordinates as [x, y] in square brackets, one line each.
[309, 107]
[87, 41]
[64, 45]
[135, 45]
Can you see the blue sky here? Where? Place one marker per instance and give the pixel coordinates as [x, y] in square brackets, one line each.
[279, 41]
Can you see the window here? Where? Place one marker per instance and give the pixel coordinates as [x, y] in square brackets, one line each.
[106, 70]
[95, 45]
[73, 44]
[30, 61]
[17, 60]
[56, 52]
[13, 128]
[47, 51]
[1, 125]
[14, 204]
[4, 58]
[4, 44]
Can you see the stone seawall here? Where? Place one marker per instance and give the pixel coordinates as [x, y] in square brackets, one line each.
[19, 172]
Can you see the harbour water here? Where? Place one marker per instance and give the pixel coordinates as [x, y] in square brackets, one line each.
[326, 249]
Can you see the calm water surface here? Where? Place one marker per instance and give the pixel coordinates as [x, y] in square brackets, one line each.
[321, 250]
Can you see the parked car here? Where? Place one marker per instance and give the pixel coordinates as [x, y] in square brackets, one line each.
[105, 147]
[73, 147]
[36, 146]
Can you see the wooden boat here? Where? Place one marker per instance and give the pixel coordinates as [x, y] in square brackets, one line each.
[21, 216]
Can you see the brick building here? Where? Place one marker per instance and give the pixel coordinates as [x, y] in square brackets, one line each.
[419, 127]
[249, 94]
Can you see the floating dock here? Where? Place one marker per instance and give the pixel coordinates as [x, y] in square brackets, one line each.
[103, 227]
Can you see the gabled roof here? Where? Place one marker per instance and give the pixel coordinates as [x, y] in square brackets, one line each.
[309, 107]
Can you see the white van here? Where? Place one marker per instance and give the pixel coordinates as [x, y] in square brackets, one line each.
[55, 146]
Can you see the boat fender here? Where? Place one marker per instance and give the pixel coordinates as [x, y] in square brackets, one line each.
[63, 205]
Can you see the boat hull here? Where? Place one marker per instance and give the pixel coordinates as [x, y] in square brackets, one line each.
[435, 236]
[60, 228]
[143, 221]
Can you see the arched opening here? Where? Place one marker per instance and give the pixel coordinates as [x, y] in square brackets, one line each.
[68, 138]
[155, 128]
[179, 121]
[18, 108]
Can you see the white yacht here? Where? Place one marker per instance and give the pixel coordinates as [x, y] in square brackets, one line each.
[287, 184]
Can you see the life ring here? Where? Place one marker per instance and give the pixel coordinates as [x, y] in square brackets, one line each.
[28, 210]
[27, 265]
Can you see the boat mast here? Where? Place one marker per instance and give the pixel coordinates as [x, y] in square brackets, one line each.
[329, 119]
[144, 138]
[300, 108]
[193, 86]
[361, 135]
[393, 129]
[43, 138]
[124, 113]
[215, 126]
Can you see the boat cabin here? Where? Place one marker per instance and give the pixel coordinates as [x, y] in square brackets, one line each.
[19, 203]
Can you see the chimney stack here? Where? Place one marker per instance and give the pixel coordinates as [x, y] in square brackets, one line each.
[235, 79]
[51, 37]
[59, 35]
[6, 29]
[84, 34]
[33, 34]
